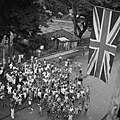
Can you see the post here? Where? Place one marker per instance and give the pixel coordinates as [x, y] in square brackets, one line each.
[4, 62]
[9, 50]
[10, 44]
[3, 50]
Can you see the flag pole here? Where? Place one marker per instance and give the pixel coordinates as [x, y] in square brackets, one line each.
[4, 56]
[4, 61]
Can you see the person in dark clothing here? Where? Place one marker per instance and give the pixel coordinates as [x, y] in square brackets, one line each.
[4, 105]
[80, 77]
[17, 80]
[60, 59]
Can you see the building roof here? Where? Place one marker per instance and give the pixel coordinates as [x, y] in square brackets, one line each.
[62, 33]
[62, 39]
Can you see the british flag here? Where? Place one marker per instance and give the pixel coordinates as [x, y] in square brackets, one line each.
[104, 37]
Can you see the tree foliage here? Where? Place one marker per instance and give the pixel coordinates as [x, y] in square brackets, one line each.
[22, 17]
[55, 8]
[81, 11]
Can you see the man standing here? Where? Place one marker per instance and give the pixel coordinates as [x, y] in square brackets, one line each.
[30, 103]
[60, 59]
[12, 106]
[86, 108]
[20, 58]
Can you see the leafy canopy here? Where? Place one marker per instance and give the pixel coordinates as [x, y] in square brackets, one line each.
[22, 17]
[81, 11]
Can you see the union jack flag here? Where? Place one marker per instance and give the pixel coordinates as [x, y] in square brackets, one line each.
[104, 37]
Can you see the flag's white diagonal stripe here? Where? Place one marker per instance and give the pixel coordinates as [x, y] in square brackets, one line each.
[97, 21]
[91, 59]
[108, 65]
[91, 62]
[102, 25]
[95, 24]
[101, 67]
[114, 34]
[116, 28]
[109, 23]
[96, 58]
[112, 46]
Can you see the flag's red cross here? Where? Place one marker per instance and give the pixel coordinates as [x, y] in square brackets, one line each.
[102, 44]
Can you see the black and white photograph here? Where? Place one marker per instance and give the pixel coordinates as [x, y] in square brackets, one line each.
[59, 59]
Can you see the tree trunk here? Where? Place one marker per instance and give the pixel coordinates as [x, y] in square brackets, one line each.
[4, 60]
[77, 30]
[74, 19]
[9, 49]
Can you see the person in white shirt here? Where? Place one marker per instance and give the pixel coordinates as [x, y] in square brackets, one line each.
[20, 100]
[30, 103]
[60, 59]
[13, 58]
[70, 117]
[70, 114]
[39, 95]
[82, 92]
[80, 108]
[39, 52]
[2, 87]
[40, 109]
[62, 90]
[12, 113]
[20, 58]
[12, 110]
[70, 69]
[86, 108]
[88, 94]
[66, 63]
[9, 89]
[1, 70]
[11, 65]
[18, 87]
[78, 95]
[24, 94]
[14, 80]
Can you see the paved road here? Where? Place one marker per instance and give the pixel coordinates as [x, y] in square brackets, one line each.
[64, 21]
[62, 53]
[26, 114]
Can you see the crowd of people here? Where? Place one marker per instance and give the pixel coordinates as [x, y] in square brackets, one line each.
[52, 86]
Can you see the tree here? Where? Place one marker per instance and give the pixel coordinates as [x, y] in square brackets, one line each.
[80, 11]
[22, 17]
[55, 8]
[84, 8]
[25, 17]
[81, 16]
